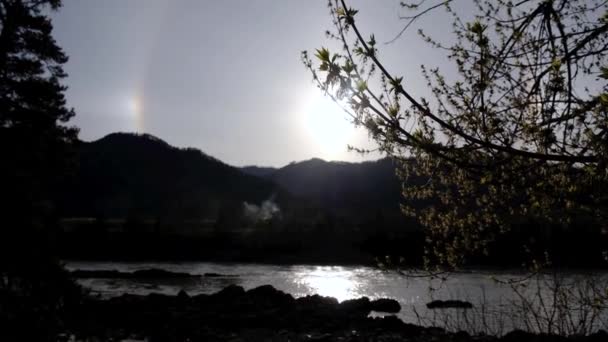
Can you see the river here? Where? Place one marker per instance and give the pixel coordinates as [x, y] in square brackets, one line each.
[497, 307]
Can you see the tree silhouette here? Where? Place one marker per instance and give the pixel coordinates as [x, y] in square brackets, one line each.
[35, 145]
[34, 139]
[521, 131]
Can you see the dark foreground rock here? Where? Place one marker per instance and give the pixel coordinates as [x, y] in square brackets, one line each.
[152, 273]
[449, 304]
[260, 314]
[218, 275]
[386, 305]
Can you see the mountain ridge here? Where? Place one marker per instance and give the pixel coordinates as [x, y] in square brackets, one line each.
[140, 175]
[126, 174]
[349, 188]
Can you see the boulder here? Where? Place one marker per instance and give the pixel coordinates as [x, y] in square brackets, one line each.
[386, 305]
[218, 275]
[449, 304]
[316, 301]
[265, 291]
[200, 299]
[99, 274]
[152, 273]
[358, 306]
[518, 336]
[158, 273]
[267, 295]
[183, 295]
[230, 291]
[598, 336]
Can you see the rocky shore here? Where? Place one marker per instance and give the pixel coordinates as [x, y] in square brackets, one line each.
[260, 314]
[151, 273]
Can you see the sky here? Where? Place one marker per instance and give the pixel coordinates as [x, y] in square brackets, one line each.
[222, 76]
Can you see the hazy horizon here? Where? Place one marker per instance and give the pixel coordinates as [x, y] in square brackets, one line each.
[379, 157]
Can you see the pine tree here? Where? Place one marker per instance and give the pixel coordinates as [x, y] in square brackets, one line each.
[35, 144]
[34, 138]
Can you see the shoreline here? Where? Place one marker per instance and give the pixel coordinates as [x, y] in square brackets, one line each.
[262, 314]
[464, 270]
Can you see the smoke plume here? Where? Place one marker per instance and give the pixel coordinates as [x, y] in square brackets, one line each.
[263, 212]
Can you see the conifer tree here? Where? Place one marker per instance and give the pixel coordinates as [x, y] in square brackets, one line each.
[35, 138]
[35, 149]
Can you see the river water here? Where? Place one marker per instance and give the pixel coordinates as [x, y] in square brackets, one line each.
[497, 307]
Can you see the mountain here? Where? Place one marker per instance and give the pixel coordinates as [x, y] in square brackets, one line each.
[123, 175]
[126, 175]
[343, 187]
[135, 196]
[259, 171]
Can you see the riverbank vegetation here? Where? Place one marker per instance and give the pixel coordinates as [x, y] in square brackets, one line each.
[513, 126]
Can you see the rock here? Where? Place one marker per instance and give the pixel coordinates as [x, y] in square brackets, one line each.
[200, 299]
[265, 291]
[319, 312]
[320, 338]
[361, 305]
[449, 304]
[598, 336]
[213, 275]
[98, 274]
[231, 291]
[158, 273]
[152, 273]
[316, 301]
[517, 336]
[390, 323]
[269, 292]
[183, 295]
[260, 314]
[462, 336]
[218, 275]
[386, 305]
[267, 296]
[159, 298]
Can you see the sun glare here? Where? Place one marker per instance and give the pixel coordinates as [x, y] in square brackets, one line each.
[331, 282]
[328, 126]
[134, 105]
[135, 110]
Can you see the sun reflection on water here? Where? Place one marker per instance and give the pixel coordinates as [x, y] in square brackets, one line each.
[330, 282]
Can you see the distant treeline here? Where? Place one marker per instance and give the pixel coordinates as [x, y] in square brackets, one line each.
[326, 241]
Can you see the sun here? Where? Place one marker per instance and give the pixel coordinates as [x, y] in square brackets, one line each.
[328, 126]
